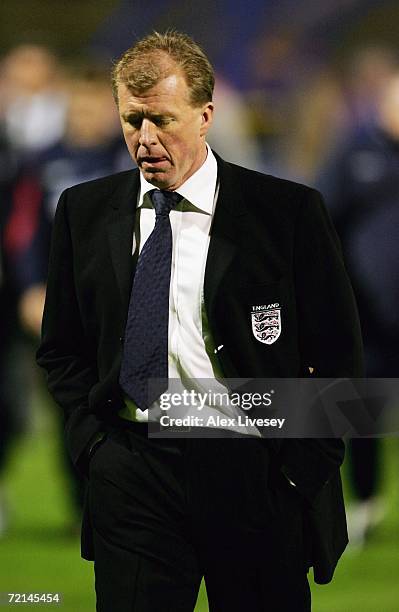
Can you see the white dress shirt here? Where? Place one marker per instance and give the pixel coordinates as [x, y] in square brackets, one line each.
[191, 352]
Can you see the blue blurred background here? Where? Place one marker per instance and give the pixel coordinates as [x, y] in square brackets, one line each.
[305, 90]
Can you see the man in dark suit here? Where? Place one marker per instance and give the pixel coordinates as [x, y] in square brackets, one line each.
[250, 515]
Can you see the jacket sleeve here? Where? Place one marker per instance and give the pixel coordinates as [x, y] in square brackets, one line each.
[329, 329]
[329, 335]
[64, 352]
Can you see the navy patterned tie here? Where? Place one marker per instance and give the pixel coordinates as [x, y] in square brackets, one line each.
[145, 353]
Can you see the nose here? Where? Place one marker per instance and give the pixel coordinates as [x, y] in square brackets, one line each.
[148, 133]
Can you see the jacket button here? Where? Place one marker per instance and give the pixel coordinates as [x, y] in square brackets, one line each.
[109, 401]
[121, 339]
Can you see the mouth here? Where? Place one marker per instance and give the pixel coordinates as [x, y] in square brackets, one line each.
[152, 164]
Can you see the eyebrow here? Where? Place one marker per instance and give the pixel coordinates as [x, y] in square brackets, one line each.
[146, 115]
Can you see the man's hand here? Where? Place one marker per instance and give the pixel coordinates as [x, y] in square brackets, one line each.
[30, 308]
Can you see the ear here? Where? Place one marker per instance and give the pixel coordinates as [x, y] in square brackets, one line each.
[206, 118]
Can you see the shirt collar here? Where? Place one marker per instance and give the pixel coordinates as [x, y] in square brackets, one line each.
[199, 189]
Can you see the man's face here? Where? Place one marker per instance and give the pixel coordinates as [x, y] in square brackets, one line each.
[164, 133]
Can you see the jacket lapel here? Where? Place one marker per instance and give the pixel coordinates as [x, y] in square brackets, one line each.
[224, 240]
[120, 234]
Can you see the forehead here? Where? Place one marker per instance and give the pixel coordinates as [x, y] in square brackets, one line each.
[170, 92]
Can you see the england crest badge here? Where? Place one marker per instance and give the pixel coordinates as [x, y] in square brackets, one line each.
[266, 322]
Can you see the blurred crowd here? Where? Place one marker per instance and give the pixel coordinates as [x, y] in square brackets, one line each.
[332, 126]
[58, 127]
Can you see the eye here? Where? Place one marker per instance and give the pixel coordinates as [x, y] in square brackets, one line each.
[162, 121]
[135, 122]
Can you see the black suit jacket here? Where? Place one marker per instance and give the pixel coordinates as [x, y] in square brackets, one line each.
[271, 241]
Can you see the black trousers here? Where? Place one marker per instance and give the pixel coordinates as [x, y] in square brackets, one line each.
[166, 512]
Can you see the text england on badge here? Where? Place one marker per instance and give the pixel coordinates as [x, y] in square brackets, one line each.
[266, 324]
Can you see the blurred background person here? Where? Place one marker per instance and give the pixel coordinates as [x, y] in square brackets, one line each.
[90, 147]
[361, 184]
[33, 98]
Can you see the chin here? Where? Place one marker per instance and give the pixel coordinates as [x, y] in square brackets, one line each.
[158, 181]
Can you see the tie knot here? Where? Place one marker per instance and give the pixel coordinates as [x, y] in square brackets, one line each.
[163, 201]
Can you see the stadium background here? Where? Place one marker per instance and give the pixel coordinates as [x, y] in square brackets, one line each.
[295, 79]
